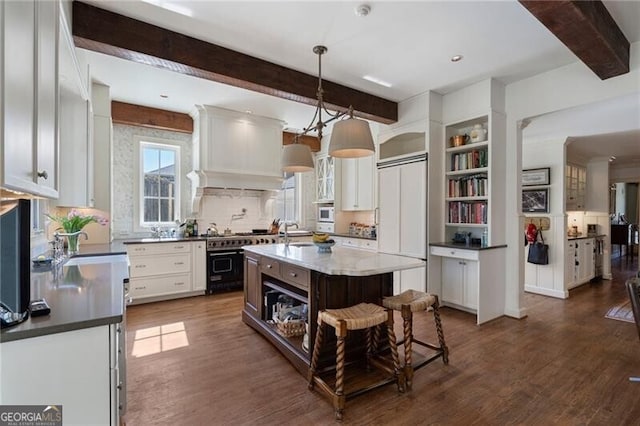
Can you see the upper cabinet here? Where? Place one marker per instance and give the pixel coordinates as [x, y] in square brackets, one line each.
[357, 183]
[30, 96]
[325, 178]
[576, 187]
[75, 126]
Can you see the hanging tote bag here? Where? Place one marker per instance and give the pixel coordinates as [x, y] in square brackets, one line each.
[538, 251]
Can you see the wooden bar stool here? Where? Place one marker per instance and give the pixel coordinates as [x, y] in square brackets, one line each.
[363, 316]
[407, 303]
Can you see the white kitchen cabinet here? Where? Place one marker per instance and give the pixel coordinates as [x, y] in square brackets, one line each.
[76, 369]
[585, 267]
[402, 195]
[227, 141]
[410, 279]
[76, 128]
[161, 271]
[199, 268]
[29, 88]
[359, 243]
[472, 280]
[575, 187]
[579, 262]
[356, 180]
[460, 282]
[325, 178]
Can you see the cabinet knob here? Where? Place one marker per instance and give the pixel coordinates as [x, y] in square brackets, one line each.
[293, 274]
[268, 266]
[43, 174]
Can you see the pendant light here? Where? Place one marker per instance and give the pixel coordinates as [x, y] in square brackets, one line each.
[350, 138]
[296, 157]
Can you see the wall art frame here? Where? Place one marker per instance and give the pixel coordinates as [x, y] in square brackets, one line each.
[536, 177]
[535, 200]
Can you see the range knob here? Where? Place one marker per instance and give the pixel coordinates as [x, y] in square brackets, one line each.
[213, 244]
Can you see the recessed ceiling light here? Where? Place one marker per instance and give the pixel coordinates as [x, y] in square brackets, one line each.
[377, 81]
[456, 58]
[164, 96]
[362, 10]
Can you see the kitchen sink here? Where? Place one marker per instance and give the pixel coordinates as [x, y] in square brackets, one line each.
[92, 260]
[300, 244]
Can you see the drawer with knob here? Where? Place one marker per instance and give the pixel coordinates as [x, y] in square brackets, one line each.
[296, 276]
[454, 252]
[159, 286]
[144, 266]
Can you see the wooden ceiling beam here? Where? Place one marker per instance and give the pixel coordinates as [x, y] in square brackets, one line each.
[588, 30]
[311, 141]
[117, 35]
[154, 118]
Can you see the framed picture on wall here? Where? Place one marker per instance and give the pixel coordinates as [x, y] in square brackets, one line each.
[536, 177]
[535, 200]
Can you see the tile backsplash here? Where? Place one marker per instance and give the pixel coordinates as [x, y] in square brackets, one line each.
[220, 206]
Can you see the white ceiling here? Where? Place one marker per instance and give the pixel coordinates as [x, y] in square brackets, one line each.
[408, 44]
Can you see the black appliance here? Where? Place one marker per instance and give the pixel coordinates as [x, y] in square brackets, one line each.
[15, 258]
[225, 260]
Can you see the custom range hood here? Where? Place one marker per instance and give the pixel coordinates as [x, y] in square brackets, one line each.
[234, 150]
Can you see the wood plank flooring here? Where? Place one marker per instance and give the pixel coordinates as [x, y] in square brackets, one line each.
[565, 364]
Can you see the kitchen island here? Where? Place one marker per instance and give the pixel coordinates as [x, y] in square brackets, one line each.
[297, 275]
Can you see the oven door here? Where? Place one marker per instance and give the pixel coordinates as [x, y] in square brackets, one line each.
[224, 270]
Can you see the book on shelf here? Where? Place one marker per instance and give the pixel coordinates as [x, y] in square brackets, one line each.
[468, 212]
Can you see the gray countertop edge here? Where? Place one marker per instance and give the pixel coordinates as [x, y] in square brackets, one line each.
[467, 247]
[58, 328]
[583, 237]
[162, 240]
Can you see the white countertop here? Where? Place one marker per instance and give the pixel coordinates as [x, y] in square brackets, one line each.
[341, 261]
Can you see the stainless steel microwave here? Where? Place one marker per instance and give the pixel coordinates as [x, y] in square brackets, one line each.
[326, 214]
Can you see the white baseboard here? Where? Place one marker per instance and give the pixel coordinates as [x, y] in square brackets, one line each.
[547, 292]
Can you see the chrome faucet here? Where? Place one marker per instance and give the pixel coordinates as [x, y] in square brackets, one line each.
[286, 231]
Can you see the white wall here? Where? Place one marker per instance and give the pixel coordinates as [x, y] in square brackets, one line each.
[548, 279]
[124, 169]
[562, 88]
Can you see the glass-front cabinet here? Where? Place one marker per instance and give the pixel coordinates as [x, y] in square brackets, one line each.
[325, 178]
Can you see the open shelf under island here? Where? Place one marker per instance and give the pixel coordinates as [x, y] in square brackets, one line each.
[339, 279]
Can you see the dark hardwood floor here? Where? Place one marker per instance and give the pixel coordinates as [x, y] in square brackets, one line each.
[193, 362]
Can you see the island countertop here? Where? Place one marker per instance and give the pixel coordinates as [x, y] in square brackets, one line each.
[80, 296]
[341, 261]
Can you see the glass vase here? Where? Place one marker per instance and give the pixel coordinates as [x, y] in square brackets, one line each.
[73, 245]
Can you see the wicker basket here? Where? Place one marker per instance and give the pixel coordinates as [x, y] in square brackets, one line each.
[291, 328]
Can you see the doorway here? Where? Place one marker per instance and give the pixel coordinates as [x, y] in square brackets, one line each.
[624, 208]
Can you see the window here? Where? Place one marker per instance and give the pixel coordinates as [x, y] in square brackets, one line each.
[287, 199]
[159, 201]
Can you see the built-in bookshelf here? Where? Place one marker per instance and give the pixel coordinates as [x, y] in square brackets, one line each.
[467, 191]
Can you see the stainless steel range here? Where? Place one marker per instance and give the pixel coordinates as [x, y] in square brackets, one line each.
[225, 268]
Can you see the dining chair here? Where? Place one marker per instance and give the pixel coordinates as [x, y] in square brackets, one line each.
[633, 285]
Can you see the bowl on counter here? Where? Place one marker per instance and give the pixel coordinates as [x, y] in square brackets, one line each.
[325, 247]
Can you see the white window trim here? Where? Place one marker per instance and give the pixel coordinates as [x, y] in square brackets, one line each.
[138, 184]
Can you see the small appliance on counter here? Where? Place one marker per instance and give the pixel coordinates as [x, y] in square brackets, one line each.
[592, 230]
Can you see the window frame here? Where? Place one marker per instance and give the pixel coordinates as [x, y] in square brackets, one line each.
[143, 142]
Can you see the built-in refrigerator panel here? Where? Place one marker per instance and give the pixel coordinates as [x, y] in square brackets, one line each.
[402, 219]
